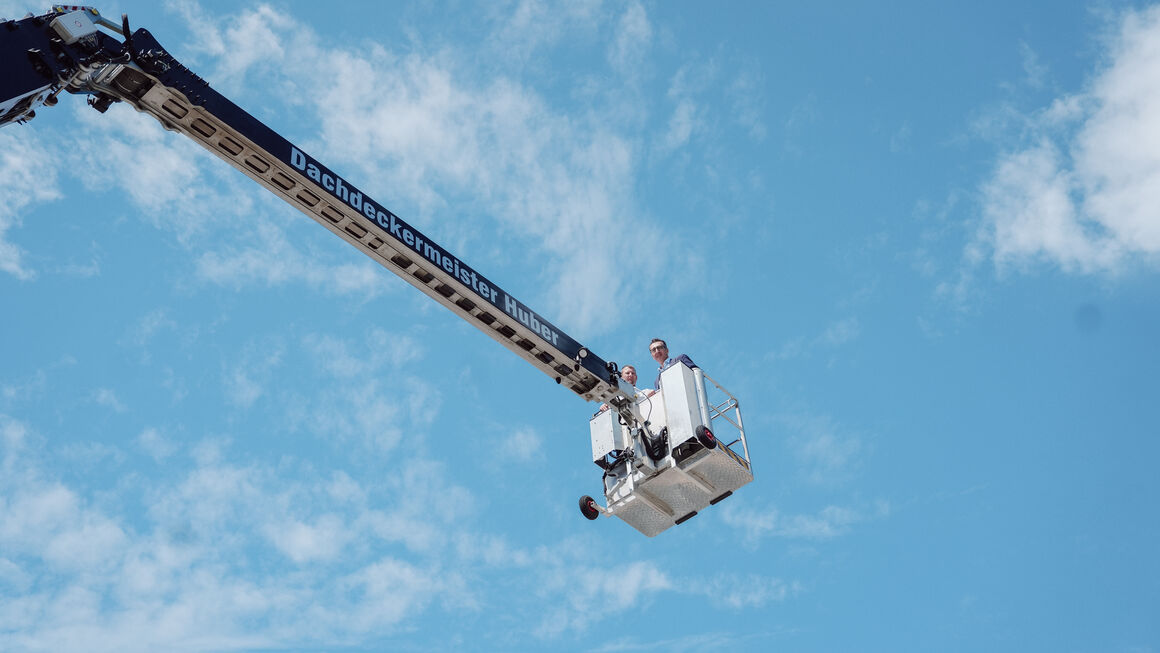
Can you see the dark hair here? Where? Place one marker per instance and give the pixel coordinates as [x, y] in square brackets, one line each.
[650, 343]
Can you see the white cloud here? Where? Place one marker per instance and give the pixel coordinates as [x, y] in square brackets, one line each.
[454, 142]
[13, 433]
[108, 398]
[695, 92]
[380, 349]
[835, 335]
[254, 40]
[306, 542]
[155, 444]
[49, 521]
[389, 401]
[681, 125]
[687, 118]
[1029, 209]
[182, 580]
[177, 185]
[826, 455]
[597, 592]
[901, 138]
[373, 418]
[179, 188]
[830, 522]
[386, 592]
[520, 445]
[632, 40]
[1085, 193]
[246, 381]
[147, 327]
[356, 560]
[1035, 71]
[87, 456]
[14, 576]
[841, 332]
[535, 25]
[745, 591]
[275, 261]
[28, 175]
[748, 102]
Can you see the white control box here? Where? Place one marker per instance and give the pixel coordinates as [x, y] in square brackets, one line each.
[73, 26]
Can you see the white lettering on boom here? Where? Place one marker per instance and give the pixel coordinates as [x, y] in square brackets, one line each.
[397, 229]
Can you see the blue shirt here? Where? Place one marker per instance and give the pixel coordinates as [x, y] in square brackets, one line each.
[669, 362]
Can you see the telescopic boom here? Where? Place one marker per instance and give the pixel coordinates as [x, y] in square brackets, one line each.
[66, 50]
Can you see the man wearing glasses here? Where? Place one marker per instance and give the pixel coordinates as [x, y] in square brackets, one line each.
[660, 354]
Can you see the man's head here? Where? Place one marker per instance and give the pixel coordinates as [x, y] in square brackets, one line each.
[658, 350]
[628, 373]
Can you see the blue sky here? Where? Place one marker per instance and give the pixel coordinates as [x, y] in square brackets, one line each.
[921, 243]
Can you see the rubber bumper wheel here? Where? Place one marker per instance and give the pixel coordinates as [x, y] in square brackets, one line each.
[588, 507]
[705, 437]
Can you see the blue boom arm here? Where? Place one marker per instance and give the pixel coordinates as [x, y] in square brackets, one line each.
[66, 51]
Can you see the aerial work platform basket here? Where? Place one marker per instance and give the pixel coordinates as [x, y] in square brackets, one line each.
[686, 452]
